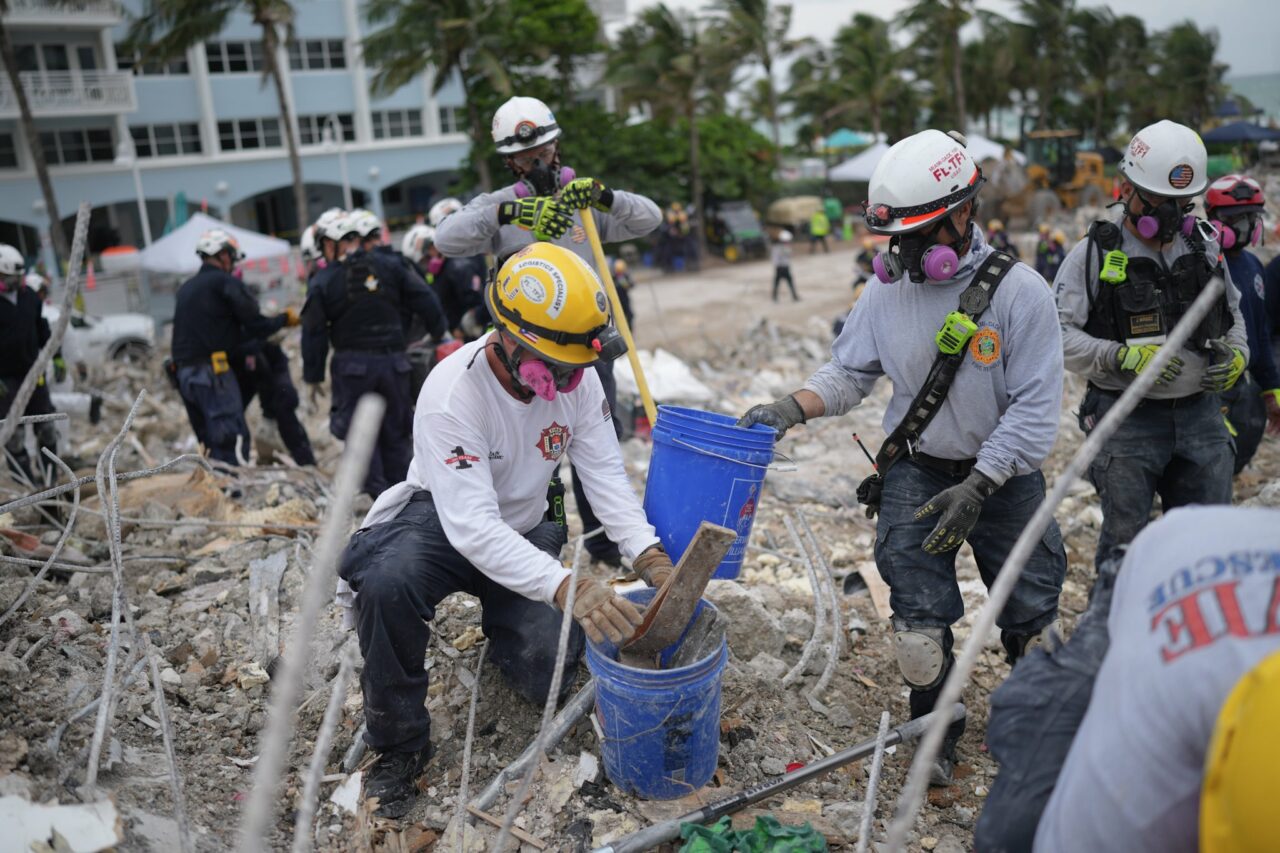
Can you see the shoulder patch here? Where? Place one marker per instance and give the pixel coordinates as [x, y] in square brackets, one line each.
[985, 346]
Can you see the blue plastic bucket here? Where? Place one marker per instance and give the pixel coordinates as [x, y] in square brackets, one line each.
[661, 726]
[705, 468]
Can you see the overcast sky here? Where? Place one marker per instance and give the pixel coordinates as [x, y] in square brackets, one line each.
[1249, 30]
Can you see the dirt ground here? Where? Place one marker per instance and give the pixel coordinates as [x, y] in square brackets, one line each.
[189, 583]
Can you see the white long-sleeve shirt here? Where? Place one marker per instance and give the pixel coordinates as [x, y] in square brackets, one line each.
[487, 457]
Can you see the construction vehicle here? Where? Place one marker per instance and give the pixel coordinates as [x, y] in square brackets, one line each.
[1058, 175]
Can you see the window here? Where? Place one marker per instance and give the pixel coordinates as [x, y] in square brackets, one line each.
[248, 134]
[88, 58]
[317, 55]
[394, 124]
[453, 120]
[129, 62]
[234, 57]
[55, 57]
[311, 128]
[166, 140]
[8, 152]
[86, 145]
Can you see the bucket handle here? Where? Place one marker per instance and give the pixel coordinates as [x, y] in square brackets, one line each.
[788, 468]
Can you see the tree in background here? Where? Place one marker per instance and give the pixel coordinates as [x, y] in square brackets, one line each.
[1104, 45]
[867, 67]
[1046, 26]
[56, 232]
[167, 29]
[675, 65]
[759, 30]
[1188, 81]
[993, 65]
[938, 58]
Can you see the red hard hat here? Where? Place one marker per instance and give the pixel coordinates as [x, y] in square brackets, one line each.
[1239, 192]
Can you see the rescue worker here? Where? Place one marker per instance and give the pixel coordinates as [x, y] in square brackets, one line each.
[999, 239]
[495, 420]
[1234, 205]
[547, 202]
[1119, 292]
[262, 370]
[782, 265]
[623, 282]
[214, 315]
[458, 282]
[960, 463]
[1050, 252]
[23, 333]
[442, 209]
[819, 228]
[1109, 742]
[356, 305]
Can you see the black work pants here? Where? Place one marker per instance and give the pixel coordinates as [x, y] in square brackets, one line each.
[401, 570]
[270, 382]
[599, 546]
[780, 274]
[46, 433]
[356, 373]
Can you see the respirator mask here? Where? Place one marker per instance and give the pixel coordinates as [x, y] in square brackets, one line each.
[1239, 231]
[921, 256]
[1160, 221]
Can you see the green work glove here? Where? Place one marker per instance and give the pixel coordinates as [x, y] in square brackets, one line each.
[1133, 360]
[540, 214]
[582, 193]
[1226, 366]
[59, 368]
[781, 415]
[960, 506]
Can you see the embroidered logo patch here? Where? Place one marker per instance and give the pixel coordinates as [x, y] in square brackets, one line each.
[553, 441]
[985, 346]
[460, 460]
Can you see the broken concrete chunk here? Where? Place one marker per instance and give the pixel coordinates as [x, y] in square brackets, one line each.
[67, 624]
[80, 828]
[250, 674]
[588, 769]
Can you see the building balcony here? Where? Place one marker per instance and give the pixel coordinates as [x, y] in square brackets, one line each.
[70, 93]
[94, 14]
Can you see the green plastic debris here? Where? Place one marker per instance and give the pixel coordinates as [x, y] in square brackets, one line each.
[767, 836]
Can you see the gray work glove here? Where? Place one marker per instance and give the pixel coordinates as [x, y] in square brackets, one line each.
[960, 506]
[780, 415]
[600, 612]
[653, 566]
[1226, 366]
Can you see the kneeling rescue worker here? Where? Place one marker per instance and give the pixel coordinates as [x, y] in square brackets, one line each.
[1120, 291]
[492, 422]
[990, 401]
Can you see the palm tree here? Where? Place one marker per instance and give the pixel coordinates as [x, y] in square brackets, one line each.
[56, 234]
[1047, 32]
[760, 30]
[1106, 44]
[1188, 80]
[991, 66]
[673, 64]
[867, 65]
[936, 26]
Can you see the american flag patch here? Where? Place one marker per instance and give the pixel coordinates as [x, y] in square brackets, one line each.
[1181, 175]
[529, 336]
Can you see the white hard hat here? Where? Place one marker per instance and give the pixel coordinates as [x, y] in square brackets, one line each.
[327, 219]
[919, 180]
[523, 123]
[416, 240]
[1168, 159]
[444, 207]
[784, 236]
[11, 261]
[307, 244]
[364, 222]
[216, 240]
[35, 281]
[336, 227]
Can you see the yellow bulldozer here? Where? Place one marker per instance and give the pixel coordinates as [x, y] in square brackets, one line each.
[1057, 176]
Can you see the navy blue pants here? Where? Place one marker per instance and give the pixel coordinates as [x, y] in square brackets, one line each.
[401, 570]
[922, 587]
[1248, 414]
[270, 382]
[358, 373]
[600, 547]
[46, 433]
[1034, 718]
[216, 411]
[1182, 453]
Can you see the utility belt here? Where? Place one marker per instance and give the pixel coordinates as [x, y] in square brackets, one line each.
[958, 468]
[952, 340]
[217, 360]
[1153, 403]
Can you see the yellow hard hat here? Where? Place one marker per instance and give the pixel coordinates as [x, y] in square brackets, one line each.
[1242, 766]
[552, 302]
[1060, 236]
[619, 266]
[1044, 229]
[995, 225]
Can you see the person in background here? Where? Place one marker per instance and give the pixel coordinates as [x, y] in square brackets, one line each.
[782, 265]
[819, 228]
[999, 238]
[1050, 254]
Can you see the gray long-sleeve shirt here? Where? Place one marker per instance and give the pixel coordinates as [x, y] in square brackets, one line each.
[475, 229]
[1002, 407]
[1095, 358]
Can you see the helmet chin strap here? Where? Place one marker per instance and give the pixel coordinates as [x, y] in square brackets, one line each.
[523, 392]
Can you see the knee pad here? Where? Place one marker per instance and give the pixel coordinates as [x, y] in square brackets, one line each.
[921, 657]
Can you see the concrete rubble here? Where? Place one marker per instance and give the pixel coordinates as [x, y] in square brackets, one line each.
[215, 565]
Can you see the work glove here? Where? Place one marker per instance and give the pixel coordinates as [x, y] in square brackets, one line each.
[543, 216]
[1271, 399]
[1226, 366]
[780, 415]
[600, 612]
[960, 506]
[291, 317]
[582, 193]
[653, 566]
[1134, 360]
[59, 368]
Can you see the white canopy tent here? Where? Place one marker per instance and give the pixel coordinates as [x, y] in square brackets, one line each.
[175, 252]
[860, 166]
[981, 148]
